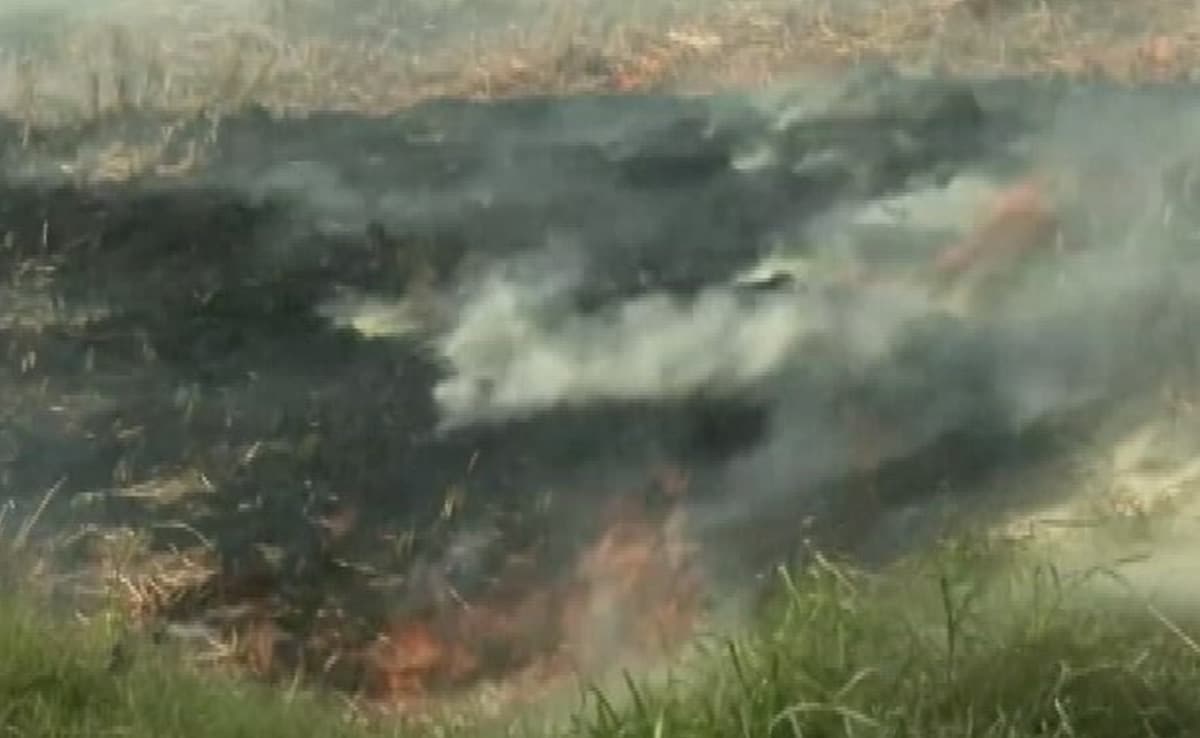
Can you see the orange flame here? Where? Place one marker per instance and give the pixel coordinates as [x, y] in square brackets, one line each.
[1019, 220]
[634, 590]
[412, 658]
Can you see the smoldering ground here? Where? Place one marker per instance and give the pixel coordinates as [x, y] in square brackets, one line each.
[563, 294]
[1063, 340]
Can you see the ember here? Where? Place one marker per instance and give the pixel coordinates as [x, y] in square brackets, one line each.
[635, 590]
[412, 659]
[1020, 222]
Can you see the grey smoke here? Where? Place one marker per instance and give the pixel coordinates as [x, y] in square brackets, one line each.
[1087, 326]
[515, 346]
[514, 352]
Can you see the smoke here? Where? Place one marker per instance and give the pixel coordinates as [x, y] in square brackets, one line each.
[771, 251]
[1097, 326]
[516, 349]
[1095, 321]
[823, 296]
[800, 331]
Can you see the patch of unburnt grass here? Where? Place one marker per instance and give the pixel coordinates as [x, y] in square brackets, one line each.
[972, 639]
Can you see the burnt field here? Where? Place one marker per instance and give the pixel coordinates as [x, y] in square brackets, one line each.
[491, 379]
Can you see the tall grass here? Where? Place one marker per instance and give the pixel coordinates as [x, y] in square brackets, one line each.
[969, 641]
[82, 679]
[963, 644]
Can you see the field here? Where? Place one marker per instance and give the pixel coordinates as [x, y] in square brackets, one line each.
[377, 55]
[523, 368]
[972, 641]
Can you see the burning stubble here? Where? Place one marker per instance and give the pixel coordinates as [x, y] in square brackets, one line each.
[858, 343]
[984, 305]
[633, 595]
[1022, 302]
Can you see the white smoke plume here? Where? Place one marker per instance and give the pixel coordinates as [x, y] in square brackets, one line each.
[1095, 322]
[513, 351]
[515, 345]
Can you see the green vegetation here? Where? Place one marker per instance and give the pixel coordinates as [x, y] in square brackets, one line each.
[969, 641]
[77, 679]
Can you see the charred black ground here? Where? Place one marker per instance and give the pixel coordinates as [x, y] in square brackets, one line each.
[210, 353]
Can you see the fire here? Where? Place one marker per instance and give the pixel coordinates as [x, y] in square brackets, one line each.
[1020, 219]
[635, 587]
[635, 590]
[413, 658]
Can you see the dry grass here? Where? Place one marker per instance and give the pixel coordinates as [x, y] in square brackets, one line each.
[199, 54]
[185, 58]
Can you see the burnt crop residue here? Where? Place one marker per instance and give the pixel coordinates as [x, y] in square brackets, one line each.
[444, 395]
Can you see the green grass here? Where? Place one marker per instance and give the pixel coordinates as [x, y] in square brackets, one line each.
[60, 679]
[965, 642]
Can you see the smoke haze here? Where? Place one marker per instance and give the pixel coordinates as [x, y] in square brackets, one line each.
[1073, 331]
[535, 295]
